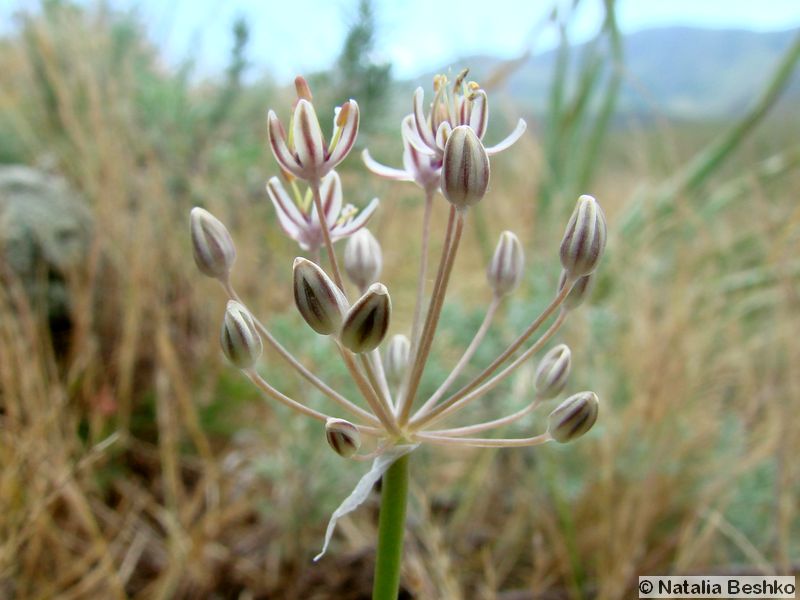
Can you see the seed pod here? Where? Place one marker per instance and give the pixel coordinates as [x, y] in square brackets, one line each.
[213, 247]
[367, 321]
[553, 372]
[363, 259]
[573, 417]
[505, 271]
[465, 168]
[396, 359]
[239, 337]
[584, 239]
[579, 292]
[320, 302]
[343, 437]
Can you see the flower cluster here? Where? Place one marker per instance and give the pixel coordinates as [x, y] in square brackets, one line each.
[444, 151]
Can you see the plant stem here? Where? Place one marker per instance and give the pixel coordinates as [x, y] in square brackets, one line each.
[326, 235]
[390, 531]
[449, 250]
[423, 265]
[465, 358]
[458, 400]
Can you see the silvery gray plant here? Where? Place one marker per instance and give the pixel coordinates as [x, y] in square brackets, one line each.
[443, 153]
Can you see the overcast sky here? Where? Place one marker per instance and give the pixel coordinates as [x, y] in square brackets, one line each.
[297, 36]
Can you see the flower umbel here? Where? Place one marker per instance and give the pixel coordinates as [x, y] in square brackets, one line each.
[443, 150]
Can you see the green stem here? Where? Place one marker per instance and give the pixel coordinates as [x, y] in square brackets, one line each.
[390, 531]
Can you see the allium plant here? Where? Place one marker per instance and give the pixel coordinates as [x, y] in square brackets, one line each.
[444, 152]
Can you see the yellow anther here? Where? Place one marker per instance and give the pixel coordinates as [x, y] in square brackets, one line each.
[348, 212]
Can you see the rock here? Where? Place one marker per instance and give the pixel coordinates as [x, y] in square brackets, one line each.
[45, 233]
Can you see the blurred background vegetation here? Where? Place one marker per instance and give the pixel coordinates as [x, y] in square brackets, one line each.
[136, 463]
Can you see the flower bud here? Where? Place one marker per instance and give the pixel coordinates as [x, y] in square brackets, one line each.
[505, 271]
[579, 292]
[320, 302]
[239, 338]
[584, 239]
[343, 437]
[367, 321]
[396, 359]
[573, 417]
[553, 372]
[465, 168]
[213, 247]
[363, 259]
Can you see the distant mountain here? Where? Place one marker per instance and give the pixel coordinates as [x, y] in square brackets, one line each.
[681, 72]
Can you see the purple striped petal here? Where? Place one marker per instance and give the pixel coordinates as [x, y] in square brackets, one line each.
[444, 131]
[277, 141]
[350, 227]
[347, 118]
[308, 141]
[331, 195]
[289, 218]
[422, 125]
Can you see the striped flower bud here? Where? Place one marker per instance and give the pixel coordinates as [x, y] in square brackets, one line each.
[367, 321]
[553, 372]
[584, 239]
[343, 437]
[239, 337]
[505, 271]
[396, 360]
[363, 259]
[213, 247]
[320, 302]
[579, 292]
[573, 417]
[465, 168]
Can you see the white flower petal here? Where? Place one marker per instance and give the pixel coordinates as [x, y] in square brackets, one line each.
[509, 141]
[382, 170]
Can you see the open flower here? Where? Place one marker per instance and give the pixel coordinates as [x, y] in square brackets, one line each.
[299, 218]
[304, 153]
[423, 169]
[467, 106]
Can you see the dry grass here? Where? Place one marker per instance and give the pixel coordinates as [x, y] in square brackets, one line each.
[123, 472]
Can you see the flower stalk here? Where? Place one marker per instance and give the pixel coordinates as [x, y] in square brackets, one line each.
[391, 529]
